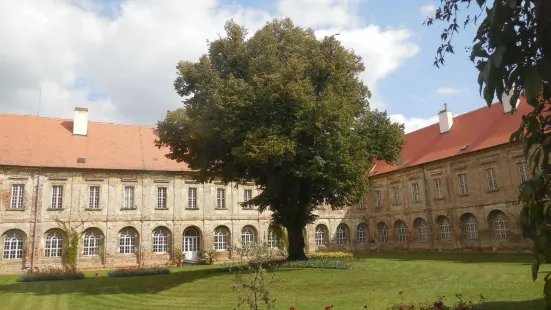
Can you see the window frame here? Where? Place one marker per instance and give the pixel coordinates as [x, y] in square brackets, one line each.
[90, 244]
[361, 233]
[422, 230]
[129, 194]
[463, 187]
[246, 199]
[379, 198]
[129, 244]
[523, 170]
[383, 233]
[395, 194]
[192, 197]
[415, 192]
[341, 235]
[162, 197]
[57, 196]
[491, 179]
[17, 196]
[401, 229]
[94, 195]
[445, 230]
[438, 188]
[501, 227]
[53, 245]
[320, 235]
[13, 246]
[220, 198]
[471, 228]
[161, 240]
[248, 236]
[220, 238]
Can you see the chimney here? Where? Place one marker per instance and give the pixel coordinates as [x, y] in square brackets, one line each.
[445, 119]
[506, 100]
[80, 122]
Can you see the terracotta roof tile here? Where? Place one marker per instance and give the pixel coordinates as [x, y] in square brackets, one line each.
[478, 129]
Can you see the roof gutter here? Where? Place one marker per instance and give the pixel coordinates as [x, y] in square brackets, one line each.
[38, 174]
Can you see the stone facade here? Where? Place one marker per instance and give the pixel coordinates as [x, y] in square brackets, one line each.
[415, 205]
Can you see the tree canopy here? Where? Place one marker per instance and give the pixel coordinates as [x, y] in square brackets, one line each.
[512, 52]
[285, 110]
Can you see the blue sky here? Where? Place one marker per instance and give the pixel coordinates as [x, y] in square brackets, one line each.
[118, 57]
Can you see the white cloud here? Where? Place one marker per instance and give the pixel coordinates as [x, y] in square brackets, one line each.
[413, 123]
[451, 90]
[128, 60]
[428, 10]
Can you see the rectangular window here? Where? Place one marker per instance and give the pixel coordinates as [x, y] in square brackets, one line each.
[463, 189]
[523, 171]
[192, 198]
[93, 203]
[379, 197]
[437, 188]
[491, 176]
[161, 197]
[57, 197]
[395, 195]
[247, 195]
[17, 196]
[220, 198]
[360, 204]
[129, 197]
[415, 192]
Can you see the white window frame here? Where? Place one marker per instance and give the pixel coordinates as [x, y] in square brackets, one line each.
[220, 198]
[53, 245]
[341, 235]
[162, 196]
[383, 233]
[129, 194]
[438, 188]
[395, 195]
[247, 195]
[379, 199]
[523, 171]
[248, 236]
[416, 195]
[160, 241]
[361, 234]
[463, 188]
[91, 243]
[320, 236]
[57, 197]
[127, 242]
[402, 232]
[94, 196]
[273, 239]
[422, 230]
[221, 236]
[501, 229]
[491, 178]
[192, 197]
[445, 230]
[13, 246]
[17, 194]
[471, 228]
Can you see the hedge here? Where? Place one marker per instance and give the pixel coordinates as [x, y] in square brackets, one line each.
[336, 255]
[324, 263]
[33, 277]
[137, 272]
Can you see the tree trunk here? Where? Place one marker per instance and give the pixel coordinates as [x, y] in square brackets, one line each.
[296, 244]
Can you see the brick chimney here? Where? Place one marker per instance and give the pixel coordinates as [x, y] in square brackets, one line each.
[80, 122]
[445, 119]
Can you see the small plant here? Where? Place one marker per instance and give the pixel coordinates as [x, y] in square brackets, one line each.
[210, 255]
[335, 255]
[323, 263]
[137, 271]
[50, 273]
[179, 257]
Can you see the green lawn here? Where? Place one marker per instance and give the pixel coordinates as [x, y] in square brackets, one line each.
[375, 281]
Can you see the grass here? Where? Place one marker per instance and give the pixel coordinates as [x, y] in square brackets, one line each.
[375, 281]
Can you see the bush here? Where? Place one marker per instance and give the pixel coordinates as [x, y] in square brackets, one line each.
[336, 255]
[50, 274]
[137, 272]
[324, 263]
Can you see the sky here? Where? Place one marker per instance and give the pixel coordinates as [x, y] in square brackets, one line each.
[118, 57]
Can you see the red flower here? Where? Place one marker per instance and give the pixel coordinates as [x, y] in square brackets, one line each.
[401, 292]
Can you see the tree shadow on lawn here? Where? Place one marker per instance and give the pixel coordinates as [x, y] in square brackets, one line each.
[468, 258]
[515, 305]
[113, 286]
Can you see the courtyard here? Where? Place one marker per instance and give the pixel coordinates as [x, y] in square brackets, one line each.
[374, 281]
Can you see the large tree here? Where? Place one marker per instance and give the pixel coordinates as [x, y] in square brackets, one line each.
[512, 52]
[286, 111]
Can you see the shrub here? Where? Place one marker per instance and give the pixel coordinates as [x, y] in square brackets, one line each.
[136, 272]
[336, 255]
[324, 263]
[51, 274]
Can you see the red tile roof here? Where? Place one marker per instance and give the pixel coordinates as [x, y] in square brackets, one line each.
[479, 129]
[49, 142]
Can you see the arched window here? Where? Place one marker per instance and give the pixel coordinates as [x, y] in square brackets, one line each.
[160, 241]
[91, 242]
[247, 236]
[501, 229]
[54, 245]
[471, 229]
[320, 237]
[221, 239]
[361, 233]
[342, 234]
[127, 242]
[383, 232]
[273, 238]
[445, 229]
[402, 231]
[421, 229]
[13, 246]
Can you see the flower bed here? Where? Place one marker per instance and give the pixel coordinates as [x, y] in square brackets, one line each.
[138, 272]
[336, 255]
[323, 263]
[51, 274]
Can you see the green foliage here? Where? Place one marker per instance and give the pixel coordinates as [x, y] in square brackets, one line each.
[71, 246]
[323, 263]
[136, 272]
[285, 110]
[51, 274]
[210, 254]
[336, 255]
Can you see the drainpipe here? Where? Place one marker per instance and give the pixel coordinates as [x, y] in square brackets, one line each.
[35, 215]
[427, 205]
